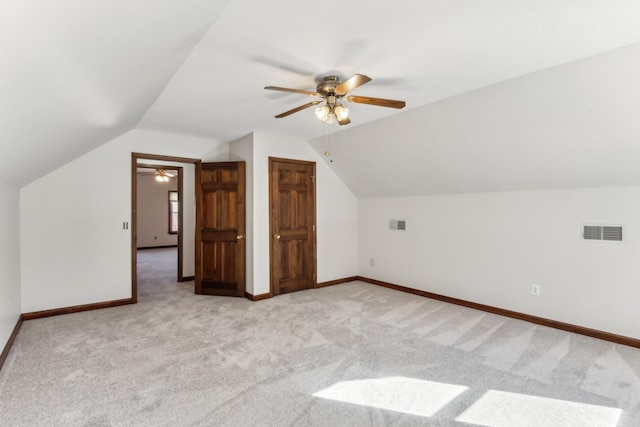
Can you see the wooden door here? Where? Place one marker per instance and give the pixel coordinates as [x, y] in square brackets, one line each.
[220, 228]
[292, 218]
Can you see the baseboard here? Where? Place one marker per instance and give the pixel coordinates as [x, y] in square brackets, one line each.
[318, 285]
[187, 279]
[594, 333]
[76, 309]
[12, 337]
[156, 247]
[336, 282]
[257, 297]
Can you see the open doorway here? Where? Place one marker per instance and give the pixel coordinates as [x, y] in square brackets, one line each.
[184, 238]
[158, 210]
[159, 223]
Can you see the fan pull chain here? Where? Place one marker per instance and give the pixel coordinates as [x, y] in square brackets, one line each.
[328, 137]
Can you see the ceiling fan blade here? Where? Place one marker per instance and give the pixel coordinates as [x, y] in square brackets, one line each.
[345, 121]
[351, 83]
[285, 89]
[376, 101]
[300, 108]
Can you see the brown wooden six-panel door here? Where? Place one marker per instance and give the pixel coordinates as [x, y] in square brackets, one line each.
[293, 215]
[220, 229]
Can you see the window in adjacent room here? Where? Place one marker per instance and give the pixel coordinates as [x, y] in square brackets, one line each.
[173, 212]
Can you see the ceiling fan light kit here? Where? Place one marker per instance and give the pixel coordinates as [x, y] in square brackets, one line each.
[163, 175]
[332, 91]
[330, 115]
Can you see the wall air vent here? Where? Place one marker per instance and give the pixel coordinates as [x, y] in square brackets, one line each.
[611, 233]
[397, 224]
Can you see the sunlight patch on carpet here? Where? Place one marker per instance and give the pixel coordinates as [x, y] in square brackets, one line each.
[399, 394]
[499, 408]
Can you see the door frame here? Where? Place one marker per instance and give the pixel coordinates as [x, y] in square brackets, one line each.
[134, 214]
[272, 278]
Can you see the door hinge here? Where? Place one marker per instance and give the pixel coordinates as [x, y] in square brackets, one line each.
[313, 178]
[313, 228]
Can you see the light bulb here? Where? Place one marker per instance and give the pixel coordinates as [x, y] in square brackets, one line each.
[341, 112]
[322, 113]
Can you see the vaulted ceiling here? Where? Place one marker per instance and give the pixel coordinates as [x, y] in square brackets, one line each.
[77, 74]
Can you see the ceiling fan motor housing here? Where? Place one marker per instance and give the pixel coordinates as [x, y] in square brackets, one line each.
[328, 85]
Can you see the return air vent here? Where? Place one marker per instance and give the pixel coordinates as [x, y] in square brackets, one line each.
[612, 233]
[397, 224]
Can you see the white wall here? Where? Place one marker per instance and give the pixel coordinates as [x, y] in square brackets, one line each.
[336, 211]
[78, 253]
[490, 248]
[153, 212]
[242, 149]
[9, 261]
[189, 220]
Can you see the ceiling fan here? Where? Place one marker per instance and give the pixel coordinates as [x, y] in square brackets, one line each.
[164, 175]
[333, 91]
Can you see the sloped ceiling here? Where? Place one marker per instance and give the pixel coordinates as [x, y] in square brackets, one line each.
[575, 125]
[78, 73]
[85, 72]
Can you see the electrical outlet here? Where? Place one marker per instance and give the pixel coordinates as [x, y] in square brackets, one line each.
[535, 290]
[372, 262]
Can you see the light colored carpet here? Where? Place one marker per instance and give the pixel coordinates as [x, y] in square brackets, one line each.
[347, 355]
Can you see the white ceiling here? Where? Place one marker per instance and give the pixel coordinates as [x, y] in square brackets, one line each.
[84, 72]
[575, 125]
[78, 73]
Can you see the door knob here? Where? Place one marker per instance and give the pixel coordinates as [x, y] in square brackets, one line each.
[240, 236]
[277, 236]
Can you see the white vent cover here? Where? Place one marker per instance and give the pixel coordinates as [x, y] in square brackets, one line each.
[612, 233]
[397, 224]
